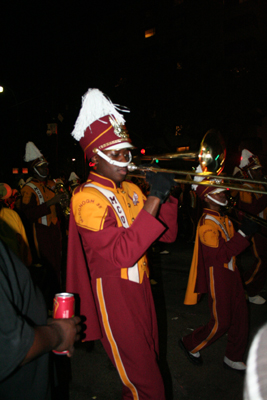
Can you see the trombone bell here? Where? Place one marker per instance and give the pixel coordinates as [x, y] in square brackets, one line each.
[212, 152]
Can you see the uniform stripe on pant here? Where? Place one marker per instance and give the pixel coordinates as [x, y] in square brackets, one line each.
[112, 342]
[214, 312]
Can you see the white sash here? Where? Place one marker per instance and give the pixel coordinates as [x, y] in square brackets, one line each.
[133, 272]
[41, 200]
[230, 264]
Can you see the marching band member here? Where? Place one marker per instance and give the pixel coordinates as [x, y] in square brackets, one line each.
[39, 206]
[74, 181]
[112, 225]
[214, 271]
[12, 230]
[255, 204]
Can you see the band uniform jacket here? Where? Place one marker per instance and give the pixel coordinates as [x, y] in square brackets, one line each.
[212, 250]
[113, 254]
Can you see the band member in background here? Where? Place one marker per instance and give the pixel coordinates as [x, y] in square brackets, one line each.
[256, 205]
[112, 225]
[74, 181]
[39, 206]
[214, 271]
[12, 231]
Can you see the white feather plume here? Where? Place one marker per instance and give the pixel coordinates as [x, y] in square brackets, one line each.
[95, 105]
[73, 176]
[245, 155]
[31, 152]
[197, 178]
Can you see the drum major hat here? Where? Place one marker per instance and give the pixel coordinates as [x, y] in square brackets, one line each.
[100, 125]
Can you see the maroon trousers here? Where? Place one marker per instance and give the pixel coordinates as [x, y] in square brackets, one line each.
[228, 314]
[255, 277]
[130, 335]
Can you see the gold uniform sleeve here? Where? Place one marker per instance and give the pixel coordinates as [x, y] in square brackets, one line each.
[209, 236]
[89, 210]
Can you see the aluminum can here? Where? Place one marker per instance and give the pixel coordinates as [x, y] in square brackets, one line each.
[63, 307]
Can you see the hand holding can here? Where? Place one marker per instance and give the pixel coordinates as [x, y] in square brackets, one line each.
[63, 307]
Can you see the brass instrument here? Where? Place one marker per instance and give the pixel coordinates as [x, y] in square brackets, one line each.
[60, 189]
[211, 157]
[260, 221]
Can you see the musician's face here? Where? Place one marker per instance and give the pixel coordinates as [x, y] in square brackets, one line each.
[43, 172]
[113, 172]
[219, 198]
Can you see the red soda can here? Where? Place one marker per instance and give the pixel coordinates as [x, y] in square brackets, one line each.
[63, 307]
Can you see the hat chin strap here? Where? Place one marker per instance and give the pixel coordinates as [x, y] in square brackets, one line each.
[113, 162]
[217, 201]
[38, 173]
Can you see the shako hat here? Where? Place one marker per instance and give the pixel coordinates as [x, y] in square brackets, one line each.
[100, 125]
[73, 177]
[203, 190]
[33, 155]
[249, 160]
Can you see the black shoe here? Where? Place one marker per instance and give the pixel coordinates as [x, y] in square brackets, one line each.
[195, 360]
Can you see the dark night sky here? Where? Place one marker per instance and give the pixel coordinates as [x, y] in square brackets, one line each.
[52, 52]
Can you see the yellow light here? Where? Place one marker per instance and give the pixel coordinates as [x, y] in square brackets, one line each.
[150, 32]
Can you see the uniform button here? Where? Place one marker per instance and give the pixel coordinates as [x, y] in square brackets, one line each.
[123, 192]
[144, 263]
[132, 219]
[129, 205]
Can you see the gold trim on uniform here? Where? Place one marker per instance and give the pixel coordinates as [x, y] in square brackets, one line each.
[97, 137]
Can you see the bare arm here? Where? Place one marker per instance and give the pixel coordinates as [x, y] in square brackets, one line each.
[60, 335]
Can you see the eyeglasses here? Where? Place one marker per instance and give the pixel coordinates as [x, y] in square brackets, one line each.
[116, 154]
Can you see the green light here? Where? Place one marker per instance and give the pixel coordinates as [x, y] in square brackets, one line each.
[216, 158]
[156, 161]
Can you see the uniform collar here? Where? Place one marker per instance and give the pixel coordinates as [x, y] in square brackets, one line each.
[35, 180]
[102, 180]
[212, 212]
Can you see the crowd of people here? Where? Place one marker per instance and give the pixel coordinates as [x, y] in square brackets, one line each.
[110, 224]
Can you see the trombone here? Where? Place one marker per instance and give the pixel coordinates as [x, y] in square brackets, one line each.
[211, 157]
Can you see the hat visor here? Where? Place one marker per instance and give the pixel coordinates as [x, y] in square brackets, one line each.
[256, 167]
[217, 190]
[40, 163]
[123, 145]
